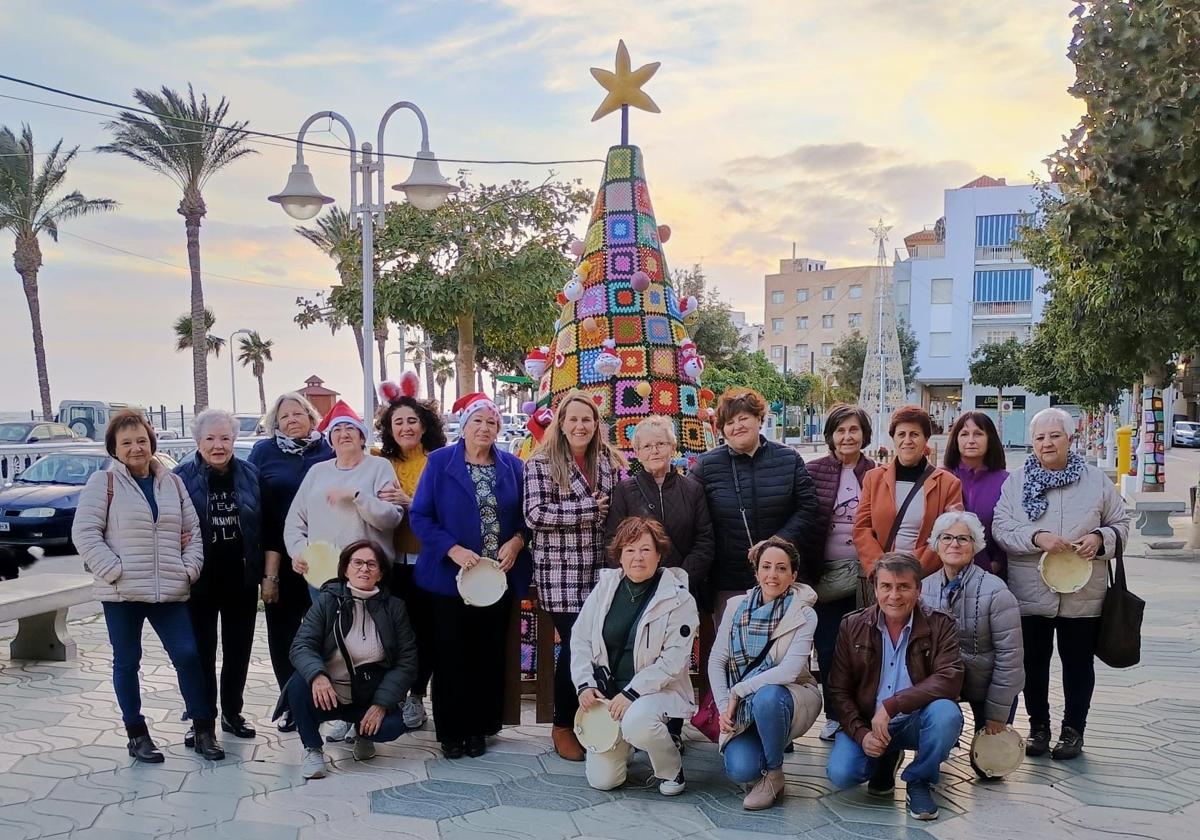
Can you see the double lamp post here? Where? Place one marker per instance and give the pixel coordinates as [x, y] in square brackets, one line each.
[425, 188]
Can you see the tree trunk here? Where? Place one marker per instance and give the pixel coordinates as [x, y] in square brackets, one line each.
[27, 259]
[262, 392]
[430, 373]
[464, 363]
[358, 344]
[442, 395]
[1000, 416]
[192, 209]
[1153, 455]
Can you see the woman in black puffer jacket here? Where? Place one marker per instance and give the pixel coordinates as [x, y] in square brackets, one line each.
[756, 489]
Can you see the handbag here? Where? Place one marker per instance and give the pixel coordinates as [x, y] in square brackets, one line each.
[839, 580]
[364, 679]
[708, 718]
[1119, 641]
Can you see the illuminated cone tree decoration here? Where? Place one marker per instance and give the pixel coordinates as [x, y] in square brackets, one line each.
[621, 335]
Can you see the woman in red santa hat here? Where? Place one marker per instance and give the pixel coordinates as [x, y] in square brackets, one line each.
[467, 511]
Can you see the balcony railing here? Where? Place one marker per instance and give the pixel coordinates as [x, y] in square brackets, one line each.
[1005, 253]
[1003, 308]
[934, 251]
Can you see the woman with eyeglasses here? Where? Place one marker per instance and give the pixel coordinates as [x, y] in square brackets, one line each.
[988, 619]
[830, 555]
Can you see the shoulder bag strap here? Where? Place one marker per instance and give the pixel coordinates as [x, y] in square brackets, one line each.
[1119, 580]
[737, 488]
[891, 540]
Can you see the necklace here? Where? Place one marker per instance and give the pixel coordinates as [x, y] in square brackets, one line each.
[633, 597]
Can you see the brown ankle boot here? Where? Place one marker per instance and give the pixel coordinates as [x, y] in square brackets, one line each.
[566, 744]
[766, 791]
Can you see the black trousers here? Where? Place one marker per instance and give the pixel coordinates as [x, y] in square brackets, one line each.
[566, 699]
[283, 620]
[419, 604]
[1076, 651]
[468, 673]
[829, 620]
[234, 606]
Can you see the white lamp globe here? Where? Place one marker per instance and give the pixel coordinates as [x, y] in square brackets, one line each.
[300, 197]
[425, 187]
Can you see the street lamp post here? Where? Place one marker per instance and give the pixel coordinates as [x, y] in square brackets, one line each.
[391, 353]
[232, 373]
[425, 188]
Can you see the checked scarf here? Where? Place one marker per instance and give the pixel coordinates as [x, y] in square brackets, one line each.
[752, 629]
[1039, 480]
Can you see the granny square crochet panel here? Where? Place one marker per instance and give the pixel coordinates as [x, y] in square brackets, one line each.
[643, 321]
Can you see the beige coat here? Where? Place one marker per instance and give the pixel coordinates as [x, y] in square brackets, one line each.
[132, 556]
[790, 649]
[1090, 504]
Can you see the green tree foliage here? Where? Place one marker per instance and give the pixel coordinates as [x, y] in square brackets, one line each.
[998, 365]
[711, 327]
[213, 344]
[754, 370]
[850, 355]
[254, 352]
[1120, 231]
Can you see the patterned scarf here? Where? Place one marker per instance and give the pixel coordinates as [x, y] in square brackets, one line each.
[752, 629]
[1039, 480]
[291, 446]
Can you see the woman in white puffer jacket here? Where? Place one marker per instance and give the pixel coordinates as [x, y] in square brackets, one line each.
[138, 533]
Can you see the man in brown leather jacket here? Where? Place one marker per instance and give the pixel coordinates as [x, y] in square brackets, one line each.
[896, 677]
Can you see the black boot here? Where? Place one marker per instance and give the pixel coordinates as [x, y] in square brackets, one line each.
[141, 745]
[237, 725]
[1039, 739]
[206, 740]
[1070, 745]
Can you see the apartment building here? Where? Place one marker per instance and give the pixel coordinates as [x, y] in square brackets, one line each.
[809, 308]
[963, 282]
[749, 335]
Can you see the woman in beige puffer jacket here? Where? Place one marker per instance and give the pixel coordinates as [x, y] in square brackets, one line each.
[139, 535]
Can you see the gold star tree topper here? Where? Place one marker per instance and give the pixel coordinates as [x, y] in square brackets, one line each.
[625, 86]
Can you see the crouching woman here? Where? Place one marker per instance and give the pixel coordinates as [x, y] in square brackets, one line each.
[759, 673]
[355, 658]
[630, 650]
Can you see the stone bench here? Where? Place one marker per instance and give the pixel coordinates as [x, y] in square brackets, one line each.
[39, 604]
[1154, 511]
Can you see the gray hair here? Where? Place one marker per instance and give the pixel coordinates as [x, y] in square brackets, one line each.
[270, 419]
[898, 563]
[958, 517]
[213, 415]
[656, 423]
[1053, 415]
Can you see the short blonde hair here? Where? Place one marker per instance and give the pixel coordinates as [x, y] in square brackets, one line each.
[656, 423]
[270, 419]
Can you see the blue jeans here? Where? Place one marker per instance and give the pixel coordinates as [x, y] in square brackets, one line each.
[308, 718]
[760, 747]
[173, 626]
[931, 731]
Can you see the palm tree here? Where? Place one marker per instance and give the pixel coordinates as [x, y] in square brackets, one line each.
[186, 140]
[184, 333]
[254, 353]
[421, 351]
[443, 369]
[28, 208]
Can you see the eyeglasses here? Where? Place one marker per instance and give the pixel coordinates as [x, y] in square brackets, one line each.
[961, 539]
[846, 507]
[369, 565]
[654, 447]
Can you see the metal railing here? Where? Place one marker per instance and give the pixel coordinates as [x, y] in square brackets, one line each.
[1004, 253]
[1003, 308]
[15, 458]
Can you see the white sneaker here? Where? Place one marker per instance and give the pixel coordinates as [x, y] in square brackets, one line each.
[413, 712]
[829, 730]
[313, 765]
[363, 749]
[673, 787]
[340, 731]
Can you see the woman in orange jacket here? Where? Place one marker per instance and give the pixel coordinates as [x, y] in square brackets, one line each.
[900, 502]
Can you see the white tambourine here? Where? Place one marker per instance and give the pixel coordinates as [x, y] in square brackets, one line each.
[483, 584]
[322, 560]
[1064, 571]
[596, 729]
[999, 754]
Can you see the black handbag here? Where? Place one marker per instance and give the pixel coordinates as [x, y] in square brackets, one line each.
[364, 679]
[1119, 643]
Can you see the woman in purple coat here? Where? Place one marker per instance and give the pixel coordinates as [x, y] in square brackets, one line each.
[975, 455]
[830, 560]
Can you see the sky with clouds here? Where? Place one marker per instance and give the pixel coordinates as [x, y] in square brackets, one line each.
[782, 121]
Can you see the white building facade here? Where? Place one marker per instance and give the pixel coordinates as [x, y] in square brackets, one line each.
[963, 283]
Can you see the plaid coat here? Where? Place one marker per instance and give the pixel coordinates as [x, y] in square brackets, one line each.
[568, 533]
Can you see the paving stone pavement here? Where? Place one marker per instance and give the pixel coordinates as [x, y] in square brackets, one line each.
[64, 771]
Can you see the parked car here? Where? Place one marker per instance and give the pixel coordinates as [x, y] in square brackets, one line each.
[1185, 433]
[241, 449]
[249, 425]
[38, 507]
[36, 433]
[89, 418]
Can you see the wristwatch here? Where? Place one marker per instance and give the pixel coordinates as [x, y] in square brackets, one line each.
[271, 578]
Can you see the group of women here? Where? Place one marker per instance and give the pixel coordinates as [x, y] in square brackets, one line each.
[755, 553]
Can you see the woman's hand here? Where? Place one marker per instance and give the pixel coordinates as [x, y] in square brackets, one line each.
[1051, 543]
[590, 698]
[394, 494]
[340, 495]
[729, 716]
[300, 566]
[618, 706]
[184, 538]
[370, 722]
[324, 697]
[1088, 546]
[507, 555]
[464, 557]
[995, 727]
[270, 592]
[602, 503]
